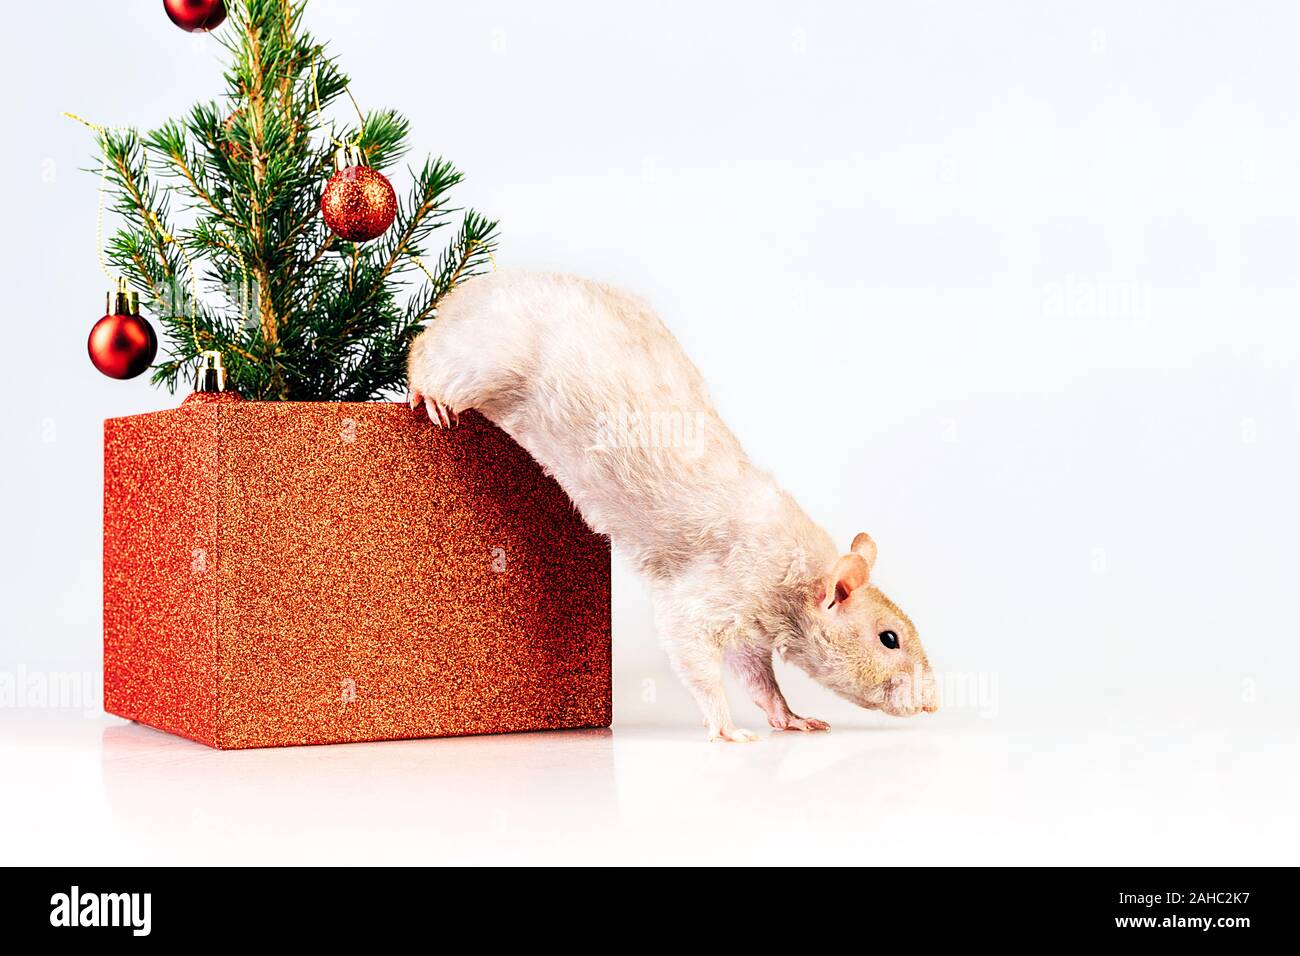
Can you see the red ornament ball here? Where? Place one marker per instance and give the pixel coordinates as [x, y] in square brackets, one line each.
[122, 345]
[196, 16]
[358, 203]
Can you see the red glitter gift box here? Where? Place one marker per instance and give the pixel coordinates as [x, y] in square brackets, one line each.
[300, 573]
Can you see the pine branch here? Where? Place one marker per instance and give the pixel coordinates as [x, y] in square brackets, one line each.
[419, 215]
[468, 256]
[170, 147]
[327, 319]
[144, 208]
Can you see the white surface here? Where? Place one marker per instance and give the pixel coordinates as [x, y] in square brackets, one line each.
[118, 793]
[1045, 257]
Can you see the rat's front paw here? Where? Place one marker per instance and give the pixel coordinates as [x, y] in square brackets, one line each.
[806, 724]
[734, 735]
[792, 722]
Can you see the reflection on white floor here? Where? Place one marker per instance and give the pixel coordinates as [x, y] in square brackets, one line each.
[102, 791]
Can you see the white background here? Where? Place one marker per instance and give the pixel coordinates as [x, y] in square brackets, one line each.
[1045, 255]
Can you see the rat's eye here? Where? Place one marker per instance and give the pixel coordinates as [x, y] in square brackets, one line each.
[889, 639]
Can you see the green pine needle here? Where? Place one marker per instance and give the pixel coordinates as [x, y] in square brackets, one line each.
[297, 313]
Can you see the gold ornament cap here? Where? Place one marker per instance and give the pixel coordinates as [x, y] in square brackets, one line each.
[212, 375]
[347, 156]
[122, 300]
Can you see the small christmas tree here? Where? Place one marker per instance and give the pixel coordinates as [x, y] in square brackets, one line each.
[303, 313]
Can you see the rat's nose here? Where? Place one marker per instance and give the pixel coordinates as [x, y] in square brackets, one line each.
[912, 692]
[929, 693]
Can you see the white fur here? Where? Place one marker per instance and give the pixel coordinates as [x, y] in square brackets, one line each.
[735, 567]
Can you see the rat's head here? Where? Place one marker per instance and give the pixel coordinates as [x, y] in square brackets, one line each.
[858, 643]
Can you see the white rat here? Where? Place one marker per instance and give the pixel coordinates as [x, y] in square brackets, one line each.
[592, 384]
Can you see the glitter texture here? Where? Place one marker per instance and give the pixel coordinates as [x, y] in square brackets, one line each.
[358, 203]
[284, 573]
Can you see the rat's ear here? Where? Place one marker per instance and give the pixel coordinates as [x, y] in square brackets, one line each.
[864, 546]
[849, 573]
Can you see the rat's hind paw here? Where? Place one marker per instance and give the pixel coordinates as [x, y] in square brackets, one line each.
[733, 735]
[439, 414]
